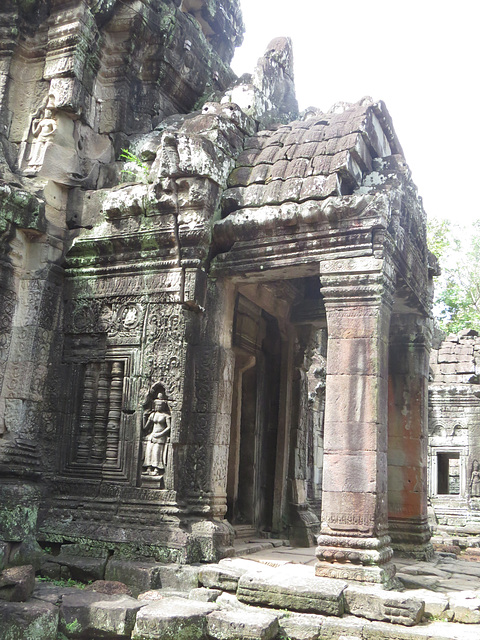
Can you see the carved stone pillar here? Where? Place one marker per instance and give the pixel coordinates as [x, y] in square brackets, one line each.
[408, 436]
[304, 522]
[354, 542]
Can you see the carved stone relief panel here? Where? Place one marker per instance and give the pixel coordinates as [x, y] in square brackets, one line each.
[163, 352]
[118, 317]
[99, 438]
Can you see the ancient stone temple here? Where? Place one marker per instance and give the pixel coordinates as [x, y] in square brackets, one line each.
[454, 434]
[214, 309]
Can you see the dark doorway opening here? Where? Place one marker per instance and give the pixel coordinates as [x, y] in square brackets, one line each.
[253, 442]
[448, 466]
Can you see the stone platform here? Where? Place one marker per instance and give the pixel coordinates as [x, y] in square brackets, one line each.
[269, 594]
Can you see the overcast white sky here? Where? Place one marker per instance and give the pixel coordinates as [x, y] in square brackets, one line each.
[421, 57]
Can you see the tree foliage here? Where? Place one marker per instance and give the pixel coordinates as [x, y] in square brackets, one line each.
[457, 289]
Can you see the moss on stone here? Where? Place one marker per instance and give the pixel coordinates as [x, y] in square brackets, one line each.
[20, 208]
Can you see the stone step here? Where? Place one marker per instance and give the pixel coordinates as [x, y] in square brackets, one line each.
[244, 548]
[245, 531]
[292, 587]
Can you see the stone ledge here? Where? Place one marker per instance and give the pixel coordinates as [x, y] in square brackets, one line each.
[292, 587]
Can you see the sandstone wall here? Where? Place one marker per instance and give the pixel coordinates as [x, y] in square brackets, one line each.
[454, 430]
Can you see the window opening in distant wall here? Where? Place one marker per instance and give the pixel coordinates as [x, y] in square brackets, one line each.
[448, 468]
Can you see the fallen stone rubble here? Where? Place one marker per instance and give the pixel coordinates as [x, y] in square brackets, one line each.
[239, 599]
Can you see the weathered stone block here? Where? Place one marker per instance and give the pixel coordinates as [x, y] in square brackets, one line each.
[4, 553]
[178, 576]
[466, 607]
[161, 594]
[110, 587]
[377, 604]
[436, 604]
[220, 577]
[82, 568]
[96, 615]
[305, 626]
[139, 576]
[17, 583]
[293, 588]
[230, 602]
[52, 593]
[346, 627]
[437, 630]
[172, 619]
[35, 619]
[235, 625]
[203, 594]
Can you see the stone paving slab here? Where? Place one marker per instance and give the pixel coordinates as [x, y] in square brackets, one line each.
[232, 625]
[173, 619]
[294, 588]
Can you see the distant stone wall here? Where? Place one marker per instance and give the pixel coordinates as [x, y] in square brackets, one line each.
[454, 431]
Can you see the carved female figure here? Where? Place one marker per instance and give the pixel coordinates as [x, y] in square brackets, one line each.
[156, 447]
[475, 480]
[42, 131]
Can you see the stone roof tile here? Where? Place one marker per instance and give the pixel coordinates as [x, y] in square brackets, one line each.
[316, 187]
[279, 169]
[247, 158]
[272, 193]
[291, 189]
[269, 154]
[259, 173]
[323, 151]
[240, 177]
[258, 141]
[315, 134]
[306, 150]
[321, 165]
[298, 168]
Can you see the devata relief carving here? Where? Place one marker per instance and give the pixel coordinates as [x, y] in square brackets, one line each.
[475, 480]
[43, 130]
[190, 341]
[158, 428]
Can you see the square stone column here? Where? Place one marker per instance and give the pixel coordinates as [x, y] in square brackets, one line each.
[354, 542]
[408, 436]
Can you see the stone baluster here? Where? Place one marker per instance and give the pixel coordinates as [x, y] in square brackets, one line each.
[408, 436]
[101, 413]
[114, 414]
[86, 416]
[354, 542]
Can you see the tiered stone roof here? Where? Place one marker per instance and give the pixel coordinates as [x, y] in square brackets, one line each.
[323, 155]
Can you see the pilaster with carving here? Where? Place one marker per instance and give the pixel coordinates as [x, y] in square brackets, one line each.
[354, 541]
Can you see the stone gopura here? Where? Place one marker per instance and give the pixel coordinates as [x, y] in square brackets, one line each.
[164, 319]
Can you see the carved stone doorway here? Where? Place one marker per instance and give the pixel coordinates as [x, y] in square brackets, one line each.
[253, 439]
